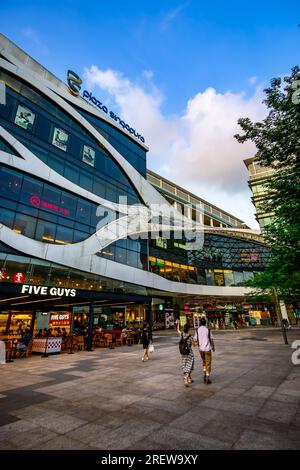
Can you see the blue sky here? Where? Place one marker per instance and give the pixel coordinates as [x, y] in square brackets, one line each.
[172, 52]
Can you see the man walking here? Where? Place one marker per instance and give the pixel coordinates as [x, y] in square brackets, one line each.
[206, 345]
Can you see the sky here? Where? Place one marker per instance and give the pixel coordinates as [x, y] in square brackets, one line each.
[180, 72]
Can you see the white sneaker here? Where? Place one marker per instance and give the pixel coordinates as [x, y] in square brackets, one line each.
[143, 359]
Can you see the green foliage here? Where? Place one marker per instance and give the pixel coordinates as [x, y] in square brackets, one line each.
[277, 139]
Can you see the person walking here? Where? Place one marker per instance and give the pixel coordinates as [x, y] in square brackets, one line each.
[187, 359]
[146, 338]
[204, 339]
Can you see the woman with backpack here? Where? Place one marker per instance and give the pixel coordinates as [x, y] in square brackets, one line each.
[187, 353]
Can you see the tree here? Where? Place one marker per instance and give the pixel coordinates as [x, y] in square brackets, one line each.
[277, 140]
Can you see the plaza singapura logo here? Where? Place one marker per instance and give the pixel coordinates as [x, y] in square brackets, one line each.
[74, 82]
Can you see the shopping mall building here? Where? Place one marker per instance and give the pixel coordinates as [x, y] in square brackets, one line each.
[72, 175]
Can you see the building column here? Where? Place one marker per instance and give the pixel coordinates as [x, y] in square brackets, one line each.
[149, 316]
[89, 342]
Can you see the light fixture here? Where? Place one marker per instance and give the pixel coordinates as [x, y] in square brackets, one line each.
[15, 298]
[34, 301]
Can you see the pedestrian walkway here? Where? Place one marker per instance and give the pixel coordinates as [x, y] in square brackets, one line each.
[110, 399]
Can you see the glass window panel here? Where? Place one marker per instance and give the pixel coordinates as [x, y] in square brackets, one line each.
[7, 111]
[229, 280]
[29, 210]
[83, 213]
[74, 146]
[7, 217]
[248, 275]
[51, 195]
[25, 225]
[210, 277]
[10, 183]
[57, 163]
[86, 180]
[39, 274]
[31, 192]
[79, 236]
[120, 255]
[94, 218]
[68, 203]
[64, 235]
[238, 278]
[45, 232]
[71, 173]
[111, 194]
[132, 259]
[51, 215]
[99, 187]
[42, 128]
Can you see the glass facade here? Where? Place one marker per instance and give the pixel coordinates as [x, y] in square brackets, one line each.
[50, 214]
[39, 272]
[63, 144]
[42, 211]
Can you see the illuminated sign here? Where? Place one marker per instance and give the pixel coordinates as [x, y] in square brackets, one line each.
[161, 242]
[18, 277]
[60, 319]
[36, 202]
[45, 290]
[74, 82]
[249, 256]
[2, 274]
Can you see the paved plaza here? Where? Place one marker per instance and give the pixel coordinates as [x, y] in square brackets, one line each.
[110, 399]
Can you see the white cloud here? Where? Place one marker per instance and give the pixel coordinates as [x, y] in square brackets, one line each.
[148, 74]
[252, 80]
[195, 149]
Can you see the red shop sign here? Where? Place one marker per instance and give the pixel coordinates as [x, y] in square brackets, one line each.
[36, 202]
[61, 319]
[19, 277]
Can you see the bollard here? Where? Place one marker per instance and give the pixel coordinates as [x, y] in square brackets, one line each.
[2, 352]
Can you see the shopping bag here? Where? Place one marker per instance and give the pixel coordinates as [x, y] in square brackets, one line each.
[151, 348]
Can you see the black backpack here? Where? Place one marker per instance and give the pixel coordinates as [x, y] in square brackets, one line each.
[183, 346]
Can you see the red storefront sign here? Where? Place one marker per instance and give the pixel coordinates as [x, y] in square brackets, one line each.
[60, 319]
[36, 202]
[19, 277]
